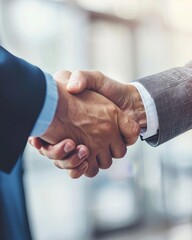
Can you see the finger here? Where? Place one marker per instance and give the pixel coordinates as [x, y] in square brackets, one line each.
[69, 164]
[62, 76]
[40, 151]
[73, 160]
[118, 148]
[81, 80]
[36, 142]
[98, 82]
[93, 167]
[59, 150]
[104, 160]
[129, 129]
[79, 171]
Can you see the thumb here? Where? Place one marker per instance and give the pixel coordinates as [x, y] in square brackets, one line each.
[129, 129]
[36, 142]
[98, 82]
[81, 80]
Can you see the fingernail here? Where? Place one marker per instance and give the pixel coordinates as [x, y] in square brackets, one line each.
[68, 147]
[83, 165]
[82, 153]
[31, 142]
[73, 83]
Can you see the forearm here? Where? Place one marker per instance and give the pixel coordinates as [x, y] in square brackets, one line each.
[172, 93]
[22, 93]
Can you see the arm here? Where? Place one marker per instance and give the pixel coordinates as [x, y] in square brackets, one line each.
[90, 119]
[129, 105]
[28, 100]
[172, 93]
[130, 133]
[22, 93]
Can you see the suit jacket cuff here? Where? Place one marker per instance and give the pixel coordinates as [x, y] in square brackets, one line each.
[48, 110]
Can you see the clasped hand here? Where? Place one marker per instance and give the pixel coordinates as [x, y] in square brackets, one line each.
[96, 119]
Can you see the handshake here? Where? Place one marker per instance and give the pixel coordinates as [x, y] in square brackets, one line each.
[95, 120]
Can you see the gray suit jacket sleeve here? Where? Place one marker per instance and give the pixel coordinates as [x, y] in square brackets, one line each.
[172, 93]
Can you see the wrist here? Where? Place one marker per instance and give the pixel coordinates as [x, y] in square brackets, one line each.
[137, 106]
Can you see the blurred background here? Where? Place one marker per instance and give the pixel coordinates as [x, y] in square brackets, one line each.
[147, 195]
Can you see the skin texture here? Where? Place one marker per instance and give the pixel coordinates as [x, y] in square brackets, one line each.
[125, 96]
[74, 158]
[90, 120]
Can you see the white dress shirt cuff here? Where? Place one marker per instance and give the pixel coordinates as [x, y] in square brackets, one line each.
[151, 112]
[49, 107]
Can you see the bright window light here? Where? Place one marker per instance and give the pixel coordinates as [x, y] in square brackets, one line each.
[179, 15]
[33, 19]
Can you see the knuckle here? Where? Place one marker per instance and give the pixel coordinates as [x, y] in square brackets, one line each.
[56, 154]
[73, 163]
[123, 152]
[106, 165]
[70, 163]
[73, 174]
[120, 153]
[132, 141]
[92, 173]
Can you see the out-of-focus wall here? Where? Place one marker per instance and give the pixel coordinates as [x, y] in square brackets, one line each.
[125, 39]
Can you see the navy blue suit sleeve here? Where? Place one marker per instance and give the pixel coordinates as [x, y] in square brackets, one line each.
[22, 94]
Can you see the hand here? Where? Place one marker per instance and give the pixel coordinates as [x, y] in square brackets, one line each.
[97, 128]
[71, 157]
[125, 96]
